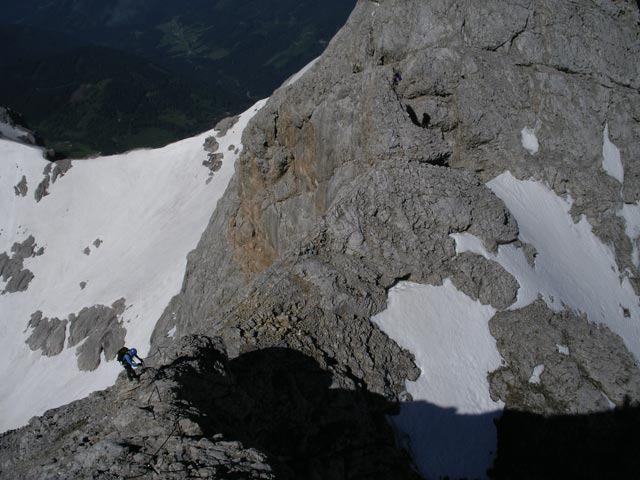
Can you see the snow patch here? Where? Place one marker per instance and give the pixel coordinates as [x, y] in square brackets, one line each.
[149, 207]
[172, 333]
[535, 376]
[612, 405]
[529, 140]
[563, 349]
[449, 424]
[631, 215]
[611, 161]
[573, 268]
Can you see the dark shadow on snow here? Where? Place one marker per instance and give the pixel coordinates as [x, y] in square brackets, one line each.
[595, 446]
[447, 443]
[280, 402]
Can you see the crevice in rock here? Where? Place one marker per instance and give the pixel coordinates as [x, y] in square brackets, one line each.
[440, 159]
[510, 40]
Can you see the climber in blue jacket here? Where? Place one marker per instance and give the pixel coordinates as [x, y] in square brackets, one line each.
[126, 357]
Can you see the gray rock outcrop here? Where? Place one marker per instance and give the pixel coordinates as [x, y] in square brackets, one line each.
[214, 159]
[21, 187]
[348, 182]
[97, 330]
[195, 414]
[12, 268]
[586, 367]
[47, 335]
[52, 171]
[226, 124]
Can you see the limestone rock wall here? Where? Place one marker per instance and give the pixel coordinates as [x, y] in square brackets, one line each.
[349, 182]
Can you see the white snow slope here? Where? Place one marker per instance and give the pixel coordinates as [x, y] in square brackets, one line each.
[147, 207]
[573, 268]
[448, 426]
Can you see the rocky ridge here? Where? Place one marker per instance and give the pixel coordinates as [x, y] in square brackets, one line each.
[349, 183]
[196, 414]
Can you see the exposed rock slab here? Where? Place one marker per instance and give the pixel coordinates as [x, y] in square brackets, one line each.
[21, 187]
[47, 335]
[97, 330]
[586, 367]
[12, 268]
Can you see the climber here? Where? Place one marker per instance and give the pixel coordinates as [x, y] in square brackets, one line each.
[126, 358]
[396, 79]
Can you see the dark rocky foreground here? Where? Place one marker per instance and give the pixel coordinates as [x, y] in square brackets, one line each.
[275, 414]
[196, 414]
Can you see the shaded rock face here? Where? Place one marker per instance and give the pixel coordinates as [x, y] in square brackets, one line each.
[280, 402]
[195, 414]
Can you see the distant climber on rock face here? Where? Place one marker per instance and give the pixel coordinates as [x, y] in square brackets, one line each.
[396, 79]
[126, 358]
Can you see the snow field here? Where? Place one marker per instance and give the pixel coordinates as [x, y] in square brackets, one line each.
[149, 209]
[449, 425]
[573, 268]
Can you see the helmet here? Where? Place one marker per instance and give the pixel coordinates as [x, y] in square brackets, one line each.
[133, 351]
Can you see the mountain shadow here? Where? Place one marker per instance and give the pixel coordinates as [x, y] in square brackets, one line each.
[516, 445]
[596, 446]
[281, 402]
[294, 423]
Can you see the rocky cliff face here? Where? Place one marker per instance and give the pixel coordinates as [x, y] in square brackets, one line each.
[349, 182]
